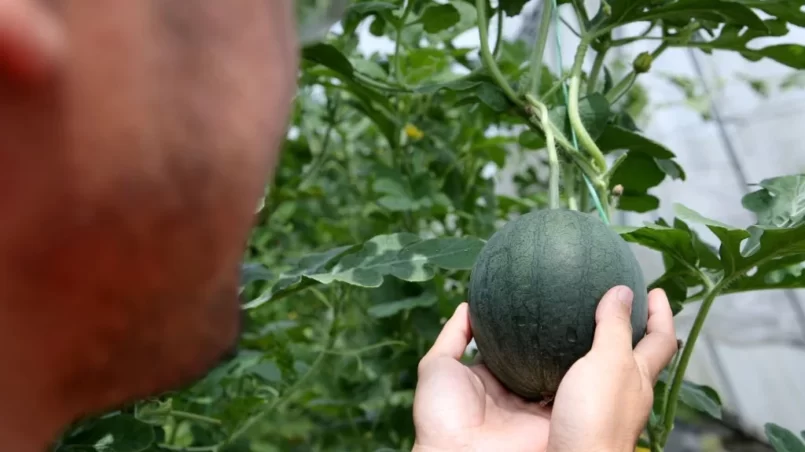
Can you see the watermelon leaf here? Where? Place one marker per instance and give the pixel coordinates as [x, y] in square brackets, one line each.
[616, 137]
[292, 281]
[782, 439]
[736, 37]
[121, 433]
[781, 273]
[512, 7]
[674, 242]
[329, 56]
[594, 111]
[404, 256]
[394, 307]
[682, 252]
[769, 243]
[357, 12]
[437, 17]
[718, 11]
[780, 202]
[252, 271]
[761, 257]
[701, 398]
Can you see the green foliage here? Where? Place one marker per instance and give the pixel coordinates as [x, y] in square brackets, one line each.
[382, 201]
[784, 440]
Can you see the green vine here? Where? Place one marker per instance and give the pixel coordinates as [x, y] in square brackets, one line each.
[553, 160]
[539, 49]
[592, 80]
[487, 56]
[398, 42]
[672, 398]
[573, 109]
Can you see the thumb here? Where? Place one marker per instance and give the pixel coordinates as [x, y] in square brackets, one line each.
[455, 336]
[613, 330]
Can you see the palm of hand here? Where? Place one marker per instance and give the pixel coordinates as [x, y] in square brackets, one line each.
[467, 405]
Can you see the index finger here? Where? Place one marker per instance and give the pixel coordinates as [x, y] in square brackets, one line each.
[656, 350]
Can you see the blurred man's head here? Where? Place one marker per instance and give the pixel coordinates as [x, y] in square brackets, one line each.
[136, 138]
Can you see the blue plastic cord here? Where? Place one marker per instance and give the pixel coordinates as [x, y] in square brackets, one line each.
[596, 200]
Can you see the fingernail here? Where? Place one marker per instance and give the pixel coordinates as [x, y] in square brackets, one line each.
[624, 295]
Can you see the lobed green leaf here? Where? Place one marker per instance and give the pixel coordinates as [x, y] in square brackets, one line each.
[782, 439]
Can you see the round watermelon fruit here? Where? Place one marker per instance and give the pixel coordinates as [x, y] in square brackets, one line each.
[533, 294]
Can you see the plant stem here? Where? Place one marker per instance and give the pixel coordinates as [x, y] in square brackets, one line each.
[570, 27]
[385, 86]
[684, 359]
[621, 88]
[553, 159]
[574, 154]
[573, 110]
[379, 84]
[655, 447]
[321, 158]
[651, 439]
[597, 66]
[195, 417]
[558, 84]
[290, 392]
[667, 390]
[499, 38]
[626, 83]
[584, 200]
[539, 47]
[642, 36]
[398, 43]
[570, 187]
[362, 350]
[488, 58]
[581, 13]
[172, 435]
[611, 171]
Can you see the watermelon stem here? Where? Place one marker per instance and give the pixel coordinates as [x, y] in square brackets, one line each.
[539, 48]
[672, 399]
[597, 189]
[572, 99]
[488, 58]
[553, 159]
[570, 187]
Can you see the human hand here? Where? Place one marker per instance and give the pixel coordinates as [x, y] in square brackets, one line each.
[602, 403]
[458, 407]
[604, 400]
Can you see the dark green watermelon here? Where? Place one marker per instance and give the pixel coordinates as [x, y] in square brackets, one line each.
[533, 294]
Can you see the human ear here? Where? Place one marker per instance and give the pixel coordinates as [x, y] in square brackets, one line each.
[31, 41]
